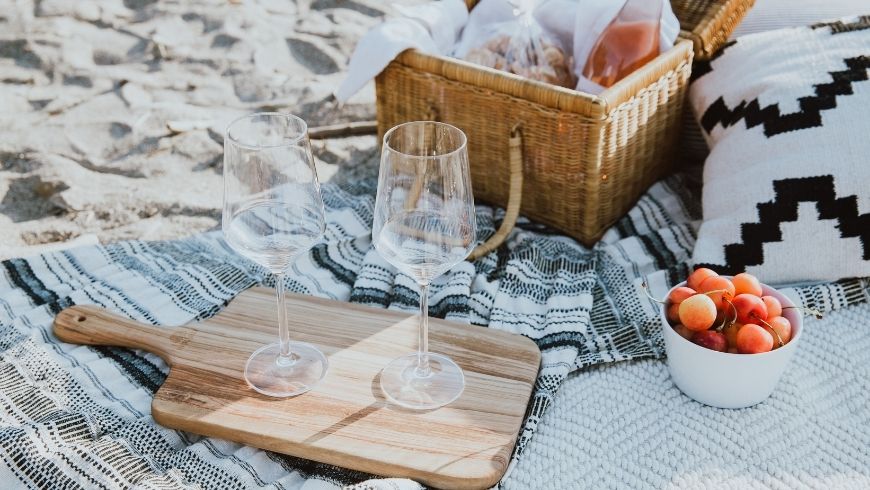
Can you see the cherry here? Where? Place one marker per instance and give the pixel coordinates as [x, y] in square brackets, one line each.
[719, 289]
[782, 327]
[754, 339]
[673, 313]
[680, 294]
[774, 307]
[698, 312]
[731, 334]
[711, 340]
[750, 308]
[683, 331]
[697, 277]
[745, 283]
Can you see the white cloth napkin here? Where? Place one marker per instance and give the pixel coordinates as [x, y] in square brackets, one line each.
[481, 20]
[431, 28]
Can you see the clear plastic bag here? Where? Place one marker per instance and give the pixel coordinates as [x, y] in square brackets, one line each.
[519, 45]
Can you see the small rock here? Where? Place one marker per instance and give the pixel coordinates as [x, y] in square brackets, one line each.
[138, 4]
[315, 55]
[35, 239]
[48, 189]
[28, 198]
[21, 51]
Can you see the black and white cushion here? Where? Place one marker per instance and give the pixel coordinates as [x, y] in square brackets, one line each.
[787, 183]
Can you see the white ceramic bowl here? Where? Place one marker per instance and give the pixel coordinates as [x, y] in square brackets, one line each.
[724, 380]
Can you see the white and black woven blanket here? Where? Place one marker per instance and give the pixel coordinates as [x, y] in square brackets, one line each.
[75, 416]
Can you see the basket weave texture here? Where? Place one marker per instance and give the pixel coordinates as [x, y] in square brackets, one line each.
[708, 23]
[585, 159]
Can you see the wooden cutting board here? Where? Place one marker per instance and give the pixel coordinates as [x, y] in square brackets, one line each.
[345, 420]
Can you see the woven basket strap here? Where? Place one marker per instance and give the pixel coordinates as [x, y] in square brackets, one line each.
[515, 198]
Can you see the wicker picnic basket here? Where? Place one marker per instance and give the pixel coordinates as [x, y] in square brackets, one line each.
[571, 160]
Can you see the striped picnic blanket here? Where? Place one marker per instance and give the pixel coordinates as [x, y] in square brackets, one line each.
[75, 416]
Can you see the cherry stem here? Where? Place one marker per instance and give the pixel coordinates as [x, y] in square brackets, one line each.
[645, 288]
[722, 327]
[811, 311]
[778, 338]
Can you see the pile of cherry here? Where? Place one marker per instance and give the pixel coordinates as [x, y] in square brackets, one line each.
[727, 315]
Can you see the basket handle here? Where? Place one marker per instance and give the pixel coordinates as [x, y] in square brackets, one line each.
[515, 197]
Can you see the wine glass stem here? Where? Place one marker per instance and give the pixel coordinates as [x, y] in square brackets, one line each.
[285, 358]
[423, 370]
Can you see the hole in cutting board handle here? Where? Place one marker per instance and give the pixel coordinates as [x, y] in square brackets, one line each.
[81, 318]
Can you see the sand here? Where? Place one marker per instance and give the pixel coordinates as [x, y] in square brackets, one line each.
[112, 112]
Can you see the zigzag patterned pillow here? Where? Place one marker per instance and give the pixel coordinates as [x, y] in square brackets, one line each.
[787, 183]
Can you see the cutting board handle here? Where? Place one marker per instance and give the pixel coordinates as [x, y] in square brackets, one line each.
[92, 325]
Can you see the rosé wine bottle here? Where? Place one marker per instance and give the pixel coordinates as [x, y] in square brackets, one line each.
[629, 42]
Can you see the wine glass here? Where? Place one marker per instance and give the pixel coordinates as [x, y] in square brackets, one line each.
[272, 213]
[424, 224]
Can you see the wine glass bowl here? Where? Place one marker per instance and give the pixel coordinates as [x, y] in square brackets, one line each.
[272, 213]
[271, 233]
[423, 225]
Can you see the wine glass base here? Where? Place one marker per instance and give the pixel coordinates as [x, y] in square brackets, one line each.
[402, 386]
[266, 374]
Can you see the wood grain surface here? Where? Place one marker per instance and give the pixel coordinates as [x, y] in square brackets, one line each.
[345, 420]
